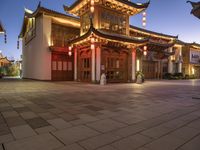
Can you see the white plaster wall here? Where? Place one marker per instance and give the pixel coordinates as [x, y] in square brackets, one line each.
[36, 55]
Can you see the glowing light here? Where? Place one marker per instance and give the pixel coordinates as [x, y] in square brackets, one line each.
[144, 24]
[70, 53]
[193, 71]
[92, 46]
[92, 9]
[145, 53]
[92, 40]
[70, 48]
[144, 14]
[138, 65]
[92, 2]
[145, 48]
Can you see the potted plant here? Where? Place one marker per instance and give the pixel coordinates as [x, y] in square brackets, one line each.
[139, 77]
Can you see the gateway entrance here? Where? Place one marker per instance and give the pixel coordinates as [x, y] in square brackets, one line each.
[62, 67]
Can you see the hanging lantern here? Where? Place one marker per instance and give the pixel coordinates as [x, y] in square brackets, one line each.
[145, 53]
[5, 38]
[144, 19]
[70, 51]
[145, 50]
[92, 6]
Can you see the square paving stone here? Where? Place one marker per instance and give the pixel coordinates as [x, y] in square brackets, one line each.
[74, 134]
[194, 144]
[39, 142]
[106, 125]
[132, 142]
[22, 131]
[99, 141]
[107, 148]
[6, 138]
[59, 123]
[37, 123]
[67, 117]
[15, 121]
[72, 147]
[45, 129]
[7, 114]
[28, 115]
[4, 129]
[22, 109]
[165, 143]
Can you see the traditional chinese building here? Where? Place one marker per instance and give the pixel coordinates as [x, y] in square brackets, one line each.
[4, 61]
[191, 60]
[99, 39]
[2, 30]
[196, 9]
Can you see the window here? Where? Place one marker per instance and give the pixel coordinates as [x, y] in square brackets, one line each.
[31, 30]
[61, 34]
[113, 22]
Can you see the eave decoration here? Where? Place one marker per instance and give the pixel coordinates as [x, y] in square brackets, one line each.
[196, 8]
[3, 31]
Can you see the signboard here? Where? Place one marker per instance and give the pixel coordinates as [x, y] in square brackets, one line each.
[194, 56]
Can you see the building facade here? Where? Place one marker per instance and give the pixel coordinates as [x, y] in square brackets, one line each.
[99, 39]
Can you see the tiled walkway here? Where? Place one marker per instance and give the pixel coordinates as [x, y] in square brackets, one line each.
[158, 115]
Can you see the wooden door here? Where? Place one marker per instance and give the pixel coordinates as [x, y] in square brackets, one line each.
[62, 67]
[149, 69]
[116, 67]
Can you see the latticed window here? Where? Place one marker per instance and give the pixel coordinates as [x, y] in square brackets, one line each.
[61, 34]
[113, 22]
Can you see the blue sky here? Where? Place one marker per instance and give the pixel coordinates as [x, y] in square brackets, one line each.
[164, 16]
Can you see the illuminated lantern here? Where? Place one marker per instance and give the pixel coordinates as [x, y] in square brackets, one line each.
[5, 38]
[144, 19]
[145, 53]
[92, 6]
[92, 9]
[92, 2]
[145, 48]
[70, 51]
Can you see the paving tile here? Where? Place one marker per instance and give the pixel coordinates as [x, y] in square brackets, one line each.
[22, 109]
[67, 117]
[47, 115]
[132, 142]
[99, 141]
[39, 142]
[74, 134]
[129, 130]
[37, 123]
[45, 129]
[165, 143]
[72, 147]
[194, 144]
[7, 114]
[28, 115]
[195, 124]
[59, 123]
[107, 148]
[22, 131]
[156, 132]
[185, 133]
[15, 121]
[4, 129]
[6, 138]
[106, 125]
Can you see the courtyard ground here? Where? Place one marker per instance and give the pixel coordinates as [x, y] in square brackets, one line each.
[157, 115]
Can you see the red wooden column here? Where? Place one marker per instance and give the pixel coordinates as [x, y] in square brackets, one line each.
[133, 65]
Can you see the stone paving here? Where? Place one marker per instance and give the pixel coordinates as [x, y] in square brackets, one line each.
[158, 115]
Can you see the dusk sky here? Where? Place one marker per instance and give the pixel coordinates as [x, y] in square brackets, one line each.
[165, 16]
